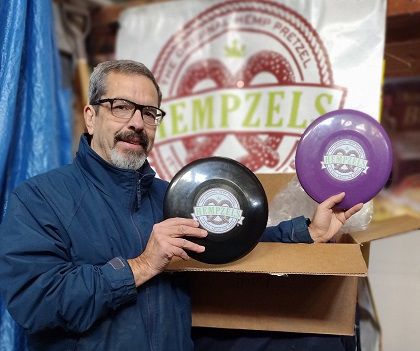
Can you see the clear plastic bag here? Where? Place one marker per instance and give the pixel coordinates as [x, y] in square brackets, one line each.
[292, 202]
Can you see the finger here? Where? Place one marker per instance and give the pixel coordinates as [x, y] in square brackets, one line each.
[351, 211]
[333, 200]
[177, 221]
[184, 230]
[181, 253]
[183, 221]
[187, 245]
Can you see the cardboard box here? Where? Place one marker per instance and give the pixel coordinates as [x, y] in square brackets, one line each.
[309, 288]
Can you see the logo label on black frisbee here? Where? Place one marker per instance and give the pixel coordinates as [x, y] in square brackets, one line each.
[218, 211]
[345, 160]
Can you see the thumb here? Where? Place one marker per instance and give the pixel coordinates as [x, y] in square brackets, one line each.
[333, 200]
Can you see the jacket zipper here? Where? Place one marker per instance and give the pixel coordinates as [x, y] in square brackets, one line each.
[143, 245]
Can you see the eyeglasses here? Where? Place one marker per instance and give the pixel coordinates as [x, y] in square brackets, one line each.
[125, 109]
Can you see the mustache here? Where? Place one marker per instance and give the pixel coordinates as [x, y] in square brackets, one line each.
[133, 137]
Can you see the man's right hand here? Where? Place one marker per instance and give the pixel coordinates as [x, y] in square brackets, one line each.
[166, 241]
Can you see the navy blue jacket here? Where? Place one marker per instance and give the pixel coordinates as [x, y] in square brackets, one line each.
[63, 248]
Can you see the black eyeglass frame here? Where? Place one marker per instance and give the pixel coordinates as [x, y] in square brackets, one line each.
[139, 107]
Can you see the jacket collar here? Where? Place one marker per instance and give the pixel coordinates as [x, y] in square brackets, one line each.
[116, 182]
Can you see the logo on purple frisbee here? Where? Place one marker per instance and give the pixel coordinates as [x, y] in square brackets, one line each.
[345, 160]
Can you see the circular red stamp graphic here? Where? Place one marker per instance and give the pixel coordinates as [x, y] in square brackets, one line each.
[242, 79]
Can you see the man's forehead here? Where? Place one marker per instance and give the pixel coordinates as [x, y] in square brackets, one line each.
[122, 78]
[119, 75]
[121, 83]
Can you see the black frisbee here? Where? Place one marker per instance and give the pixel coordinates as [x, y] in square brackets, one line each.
[227, 199]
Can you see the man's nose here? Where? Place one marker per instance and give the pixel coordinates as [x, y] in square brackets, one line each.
[136, 121]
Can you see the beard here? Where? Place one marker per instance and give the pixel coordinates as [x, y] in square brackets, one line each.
[130, 159]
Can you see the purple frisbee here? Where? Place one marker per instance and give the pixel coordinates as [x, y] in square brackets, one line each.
[344, 150]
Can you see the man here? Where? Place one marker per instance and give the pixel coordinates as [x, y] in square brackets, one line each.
[82, 247]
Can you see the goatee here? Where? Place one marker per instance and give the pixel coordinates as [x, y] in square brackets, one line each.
[130, 159]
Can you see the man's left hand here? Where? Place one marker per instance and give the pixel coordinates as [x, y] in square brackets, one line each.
[328, 220]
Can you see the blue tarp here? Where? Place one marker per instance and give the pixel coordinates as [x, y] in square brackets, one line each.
[35, 111]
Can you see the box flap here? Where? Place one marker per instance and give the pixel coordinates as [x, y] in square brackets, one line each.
[389, 227]
[279, 258]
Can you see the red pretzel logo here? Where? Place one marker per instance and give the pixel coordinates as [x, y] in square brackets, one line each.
[259, 152]
[264, 61]
[297, 56]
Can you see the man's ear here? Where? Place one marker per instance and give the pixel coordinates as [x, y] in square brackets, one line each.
[89, 115]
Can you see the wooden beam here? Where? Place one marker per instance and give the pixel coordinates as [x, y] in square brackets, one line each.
[402, 46]
[402, 59]
[403, 7]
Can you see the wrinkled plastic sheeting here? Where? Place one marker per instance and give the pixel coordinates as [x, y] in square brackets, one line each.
[293, 201]
[35, 117]
[35, 127]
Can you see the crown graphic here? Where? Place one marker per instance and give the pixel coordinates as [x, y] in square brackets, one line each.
[235, 50]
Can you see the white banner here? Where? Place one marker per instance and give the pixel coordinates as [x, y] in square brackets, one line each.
[243, 79]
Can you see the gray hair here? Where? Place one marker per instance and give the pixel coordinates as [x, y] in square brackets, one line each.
[97, 82]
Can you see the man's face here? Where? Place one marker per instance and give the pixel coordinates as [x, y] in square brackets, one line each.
[121, 142]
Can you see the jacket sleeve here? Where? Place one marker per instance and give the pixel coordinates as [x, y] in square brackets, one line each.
[292, 231]
[41, 285]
